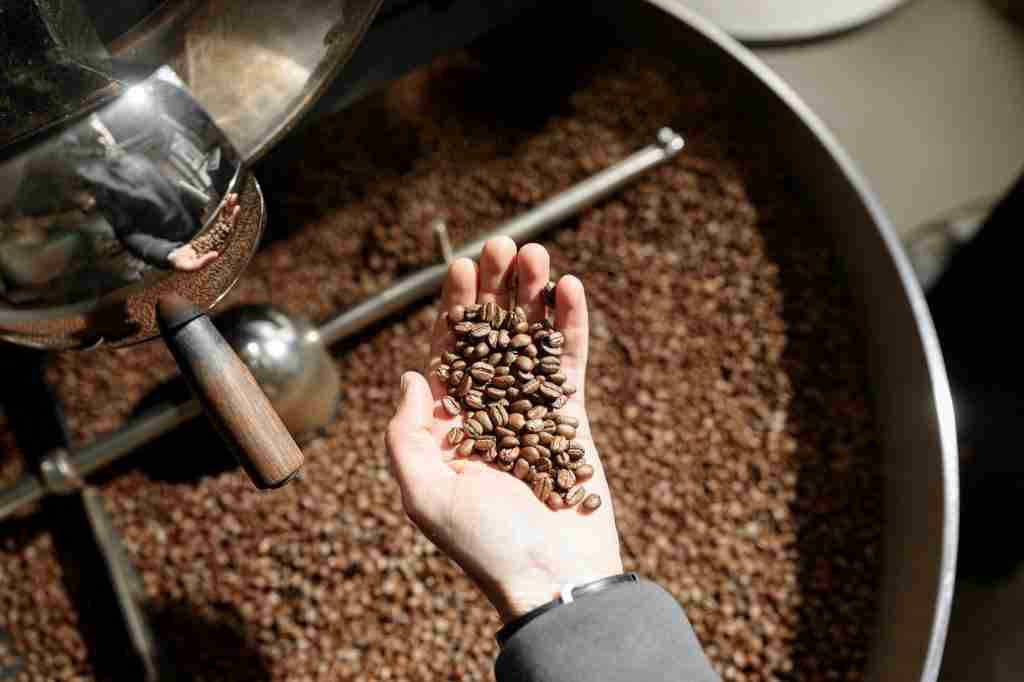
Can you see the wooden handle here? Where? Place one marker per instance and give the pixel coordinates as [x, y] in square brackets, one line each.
[229, 393]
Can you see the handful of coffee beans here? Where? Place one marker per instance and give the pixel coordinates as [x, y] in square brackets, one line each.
[505, 377]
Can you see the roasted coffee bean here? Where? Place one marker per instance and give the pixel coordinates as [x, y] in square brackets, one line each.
[494, 393]
[473, 311]
[494, 358]
[538, 336]
[504, 381]
[555, 339]
[466, 386]
[508, 442]
[520, 327]
[592, 502]
[503, 465]
[543, 450]
[543, 465]
[545, 437]
[491, 454]
[530, 454]
[509, 359]
[531, 386]
[508, 454]
[474, 400]
[549, 293]
[503, 340]
[451, 406]
[521, 468]
[516, 422]
[482, 372]
[550, 391]
[492, 339]
[466, 447]
[501, 319]
[498, 415]
[501, 371]
[524, 364]
[534, 426]
[555, 501]
[566, 419]
[488, 311]
[529, 439]
[484, 443]
[524, 378]
[565, 479]
[537, 412]
[457, 314]
[470, 352]
[450, 358]
[530, 351]
[460, 346]
[568, 389]
[542, 487]
[463, 328]
[573, 465]
[455, 436]
[459, 364]
[520, 341]
[485, 420]
[502, 432]
[557, 378]
[550, 426]
[575, 495]
[552, 352]
[540, 325]
[559, 443]
[473, 428]
[565, 430]
[443, 372]
[479, 331]
[576, 449]
[456, 377]
[584, 472]
[561, 459]
[481, 351]
[512, 393]
[520, 406]
[560, 402]
[548, 365]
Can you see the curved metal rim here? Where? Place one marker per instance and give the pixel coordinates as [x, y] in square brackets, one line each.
[852, 22]
[919, 308]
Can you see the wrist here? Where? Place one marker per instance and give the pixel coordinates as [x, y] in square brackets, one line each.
[541, 585]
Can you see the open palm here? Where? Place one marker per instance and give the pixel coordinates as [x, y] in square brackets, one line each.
[516, 549]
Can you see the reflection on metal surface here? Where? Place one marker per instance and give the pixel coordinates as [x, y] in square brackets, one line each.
[287, 357]
[255, 65]
[138, 192]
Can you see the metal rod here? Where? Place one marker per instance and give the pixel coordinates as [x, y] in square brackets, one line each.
[521, 228]
[399, 295]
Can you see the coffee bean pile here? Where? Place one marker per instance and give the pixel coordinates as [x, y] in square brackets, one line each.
[507, 375]
[726, 391]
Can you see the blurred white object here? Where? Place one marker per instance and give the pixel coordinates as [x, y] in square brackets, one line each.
[787, 20]
[930, 246]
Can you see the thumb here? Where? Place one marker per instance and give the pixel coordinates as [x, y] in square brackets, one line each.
[414, 453]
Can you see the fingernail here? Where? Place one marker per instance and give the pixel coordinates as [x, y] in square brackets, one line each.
[405, 382]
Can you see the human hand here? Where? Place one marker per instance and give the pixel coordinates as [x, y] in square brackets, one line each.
[186, 259]
[519, 552]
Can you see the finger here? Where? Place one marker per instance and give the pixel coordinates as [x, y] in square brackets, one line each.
[495, 268]
[413, 453]
[203, 260]
[533, 265]
[572, 319]
[459, 289]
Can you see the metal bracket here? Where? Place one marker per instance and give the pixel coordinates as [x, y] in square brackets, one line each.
[59, 474]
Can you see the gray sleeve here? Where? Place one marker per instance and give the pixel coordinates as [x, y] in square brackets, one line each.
[152, 250]
[634, 632]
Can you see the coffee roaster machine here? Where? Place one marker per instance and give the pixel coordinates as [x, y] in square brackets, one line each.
[189, 93]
